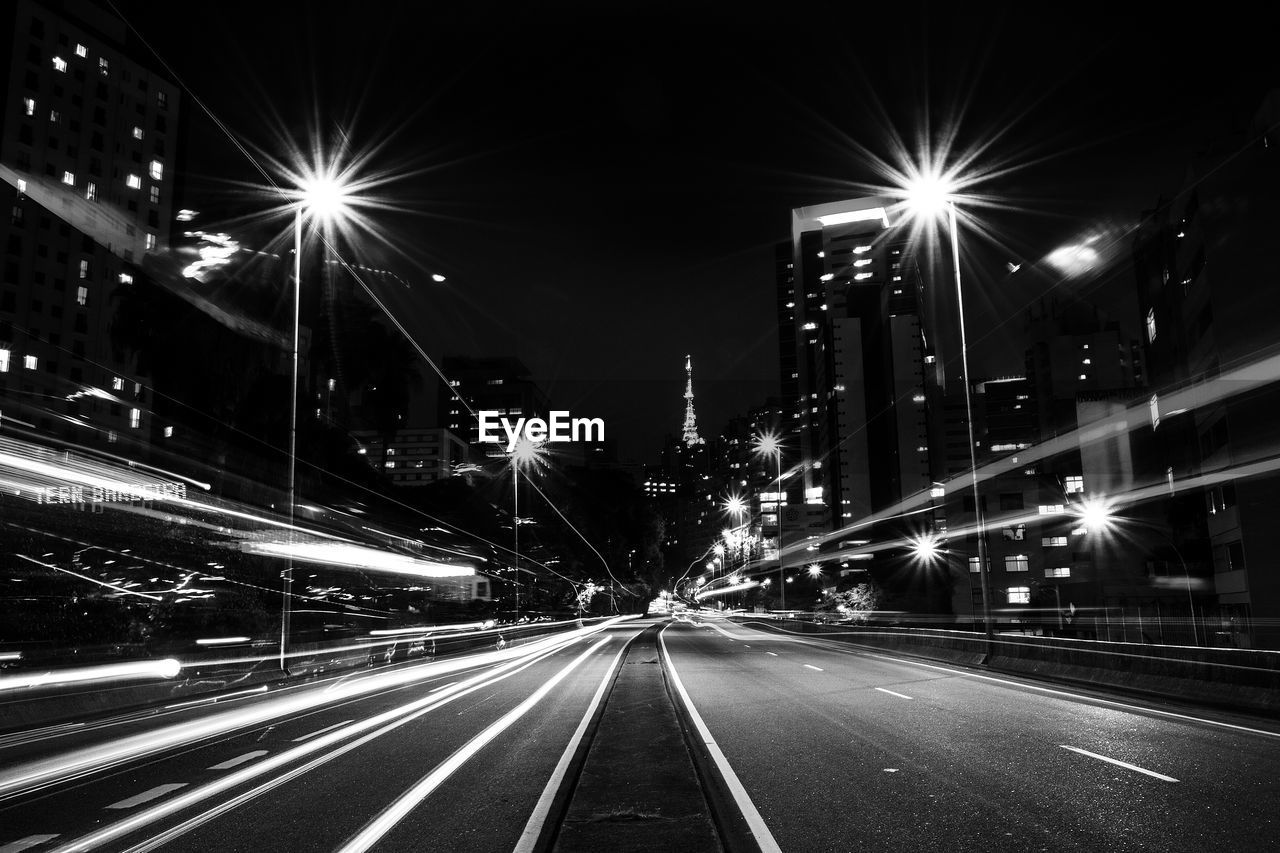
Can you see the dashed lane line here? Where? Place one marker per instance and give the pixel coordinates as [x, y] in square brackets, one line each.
[1119, 763]
[319, 731]
[811, 666]
[26, 843]
[238, 760]
[147, 796]
[893, 693]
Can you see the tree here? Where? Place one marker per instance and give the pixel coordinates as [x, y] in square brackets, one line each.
[854, 605]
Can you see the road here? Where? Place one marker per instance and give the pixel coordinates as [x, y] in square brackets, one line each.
[832, 748]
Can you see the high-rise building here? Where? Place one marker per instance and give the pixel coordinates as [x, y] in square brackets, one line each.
[1206, 265]
[862, 359]
[498, 384]
[88, 141]
[414, 457]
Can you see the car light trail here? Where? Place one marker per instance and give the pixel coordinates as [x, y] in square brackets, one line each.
[165, 668]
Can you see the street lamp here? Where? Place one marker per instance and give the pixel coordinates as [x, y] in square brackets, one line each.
[928, 196]
[770, 444]
[325, 199]
[525, 454]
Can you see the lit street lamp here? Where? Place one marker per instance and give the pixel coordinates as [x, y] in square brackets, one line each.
[324, 198]
[929, 195]
[771, 445]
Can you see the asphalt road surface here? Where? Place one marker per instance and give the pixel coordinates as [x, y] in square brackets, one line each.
[821, 747]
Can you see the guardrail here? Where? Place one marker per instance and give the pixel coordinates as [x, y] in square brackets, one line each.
[1237, 679]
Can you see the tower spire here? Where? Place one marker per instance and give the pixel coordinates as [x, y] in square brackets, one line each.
[690, 436]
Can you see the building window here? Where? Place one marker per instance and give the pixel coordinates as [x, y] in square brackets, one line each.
[157, 170]
[1151, 325]
[117, 384]
[1016, 533]
[30, 362]
[168, 432]
[973, 565]
[1052, 509]
[29, 106]
[69, 178]
[4, 361]
[59, 64]
[126, 278]
[1058, 572]
[1016, 563]
[81, 51]
[1019, 595]
[104, 67]
[1235, 556]
[135, 418]
[84, 268]
[151, 241]
[55, 116]
[1053, 541]
[82, 295]
[162, 100]
[1075, 485]
[1153, 408]
[155, 194]
[133, 182]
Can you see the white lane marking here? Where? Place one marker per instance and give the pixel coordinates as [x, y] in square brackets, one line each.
[23, 843]
[148, 796]
[775, 654]
[529, 838]
[394, 813]
[755, 822]
[241, 759]
[818, 668]
[1077, 697]
[442, 687]
[319, 732]
[1118, 762]
[892, 693]
[367, 730]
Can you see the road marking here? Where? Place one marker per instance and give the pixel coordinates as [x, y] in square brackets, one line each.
[23, 843]
[892, 693]
[240, 759]
[1118, 763]
[721, 630]
[319, 731]
[442, 687]
[386, 820]
[755, 822]
[868, 651]
[775, 654]
[148, 796]
[533, 829]
[811, 666]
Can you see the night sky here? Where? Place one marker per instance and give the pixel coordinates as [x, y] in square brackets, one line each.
[603, 189]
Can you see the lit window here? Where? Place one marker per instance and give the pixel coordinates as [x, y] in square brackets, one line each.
[1058, 572]
[30, 362]
[973, 565]
[82, 296]
[81, 50]
[1052, 509]
[91, 191]
[827, 276]
[151, 242]
[126, 278]
[155, 194]
[858, 250]
[4, 361]
[1151, 325]
[1016, 563]
[137, 132]
[69, 178]
[1019, 595]
[494, 382]
[104, 67]
[117, 384]
[59, 64]
[111, 437]
[1075, 484]
[861, 262]
[22, 188]
[157, 170]
[862, 276]
[810, 326]
[162, 100]
[84, 268]
[168, 432]
[1153, 407]
[1084, 376]
[54, 116]
[29, 105]
[135, 418]
[133, 182]
[1087, 361]
[1053, 541]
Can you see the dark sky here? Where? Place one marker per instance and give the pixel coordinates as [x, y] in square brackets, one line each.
[604, 188]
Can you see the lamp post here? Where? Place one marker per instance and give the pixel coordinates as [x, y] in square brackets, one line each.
[771, 445]
[525, 454]
[324, 198]
[929, 195]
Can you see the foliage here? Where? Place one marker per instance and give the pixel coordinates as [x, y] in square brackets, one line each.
[855, 605]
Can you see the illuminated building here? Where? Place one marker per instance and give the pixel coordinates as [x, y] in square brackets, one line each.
[414, 456]
[88, 139]
[496, 384]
